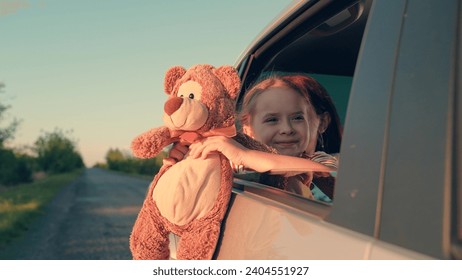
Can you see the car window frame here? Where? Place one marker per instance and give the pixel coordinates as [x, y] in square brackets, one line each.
[456, 232]
[246, 66]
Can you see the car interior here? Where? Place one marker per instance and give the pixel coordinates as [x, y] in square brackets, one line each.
[324, 45]
[327, 48]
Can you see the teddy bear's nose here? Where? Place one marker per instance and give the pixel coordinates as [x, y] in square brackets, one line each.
[172, 105]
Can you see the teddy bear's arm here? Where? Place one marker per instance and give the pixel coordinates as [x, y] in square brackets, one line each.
[150, 143]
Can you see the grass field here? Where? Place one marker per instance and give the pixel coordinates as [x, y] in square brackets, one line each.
[21, 204]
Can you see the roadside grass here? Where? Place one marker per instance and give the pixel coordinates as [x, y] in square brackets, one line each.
[21, 204]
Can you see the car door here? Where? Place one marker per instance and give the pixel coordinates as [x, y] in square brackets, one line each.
[392, 74]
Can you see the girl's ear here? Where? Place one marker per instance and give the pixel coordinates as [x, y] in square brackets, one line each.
[324, 121]
[247, 130]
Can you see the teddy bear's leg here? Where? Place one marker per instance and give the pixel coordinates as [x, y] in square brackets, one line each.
[149, 239]
[200, 242]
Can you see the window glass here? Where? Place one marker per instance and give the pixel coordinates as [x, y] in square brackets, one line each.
[338, 88]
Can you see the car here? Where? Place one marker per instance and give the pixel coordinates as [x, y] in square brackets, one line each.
[393, 69]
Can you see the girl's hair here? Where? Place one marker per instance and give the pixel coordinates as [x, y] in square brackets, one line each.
[314, 93]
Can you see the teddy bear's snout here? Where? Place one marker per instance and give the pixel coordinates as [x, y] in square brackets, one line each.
[172, 105]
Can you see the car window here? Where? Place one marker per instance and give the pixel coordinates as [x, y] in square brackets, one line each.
[327, 50]
[339, 90]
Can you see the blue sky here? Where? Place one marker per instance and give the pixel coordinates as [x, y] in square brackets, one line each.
[96, 67]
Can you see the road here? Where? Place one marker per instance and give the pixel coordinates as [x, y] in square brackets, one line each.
[90, 219]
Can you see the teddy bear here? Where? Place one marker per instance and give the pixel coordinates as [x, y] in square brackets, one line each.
[190, 197]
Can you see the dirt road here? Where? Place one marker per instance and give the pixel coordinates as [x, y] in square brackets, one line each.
[91, 219]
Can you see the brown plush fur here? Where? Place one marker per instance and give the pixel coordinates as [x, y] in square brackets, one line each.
[149, 239]
[198, 237]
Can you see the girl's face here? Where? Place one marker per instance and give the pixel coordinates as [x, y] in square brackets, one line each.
[284, 120]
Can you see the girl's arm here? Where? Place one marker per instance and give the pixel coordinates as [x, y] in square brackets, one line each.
[256, 160]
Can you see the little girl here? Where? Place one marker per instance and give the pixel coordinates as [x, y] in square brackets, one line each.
[295, 115]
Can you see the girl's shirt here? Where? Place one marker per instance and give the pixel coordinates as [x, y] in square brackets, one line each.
[327, 180]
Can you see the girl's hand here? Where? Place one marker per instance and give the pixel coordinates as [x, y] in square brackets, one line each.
[178, 152]
[227, 146]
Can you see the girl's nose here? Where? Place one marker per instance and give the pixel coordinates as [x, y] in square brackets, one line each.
[286, 128]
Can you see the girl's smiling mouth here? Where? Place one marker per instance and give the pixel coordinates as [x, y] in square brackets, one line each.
[286, 143]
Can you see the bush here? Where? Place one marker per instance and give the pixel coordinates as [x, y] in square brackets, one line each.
[56, 153]
[118, 161]
[14, 169]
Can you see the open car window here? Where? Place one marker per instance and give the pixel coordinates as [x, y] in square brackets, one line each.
[326, 49]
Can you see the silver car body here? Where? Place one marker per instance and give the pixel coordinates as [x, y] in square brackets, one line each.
[394, 69]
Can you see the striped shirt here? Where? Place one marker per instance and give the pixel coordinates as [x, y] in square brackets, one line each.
[301, 184]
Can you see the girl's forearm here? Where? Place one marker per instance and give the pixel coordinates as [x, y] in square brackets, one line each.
[263, 162]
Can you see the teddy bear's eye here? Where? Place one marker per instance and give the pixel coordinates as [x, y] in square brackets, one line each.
[191, 96]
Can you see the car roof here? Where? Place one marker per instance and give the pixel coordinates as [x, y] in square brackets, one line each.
[273, 27]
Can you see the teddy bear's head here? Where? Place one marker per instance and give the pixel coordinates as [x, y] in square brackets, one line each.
[201, 98]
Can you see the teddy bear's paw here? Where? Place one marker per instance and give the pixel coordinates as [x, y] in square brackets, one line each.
[150, 249]
[149, 144]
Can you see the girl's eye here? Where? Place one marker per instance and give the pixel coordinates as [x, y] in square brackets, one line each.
[191, 96]
[271, 120]
[299, 117]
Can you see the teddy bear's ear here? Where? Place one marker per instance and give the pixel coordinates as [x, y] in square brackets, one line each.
[229, 77]
[173, 74]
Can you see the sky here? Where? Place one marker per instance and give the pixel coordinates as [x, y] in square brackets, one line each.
[96, 67]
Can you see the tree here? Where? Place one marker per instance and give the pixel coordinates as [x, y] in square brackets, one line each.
[115, 160]
[56, 152]
[7, 132]
[14, 168]
[120, 161]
